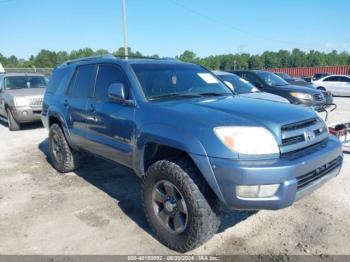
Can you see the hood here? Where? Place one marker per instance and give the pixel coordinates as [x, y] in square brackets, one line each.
[234, 110]
[299, 82]
[302, 89]
[26, 92]
[266, 96]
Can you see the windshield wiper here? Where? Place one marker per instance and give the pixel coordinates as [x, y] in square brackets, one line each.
[214, 94]
[174, 95]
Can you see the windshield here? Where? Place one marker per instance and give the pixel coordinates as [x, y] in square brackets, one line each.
[240, 85]
[272, 79]
[176, 80]
[20, 82]
[284, 75]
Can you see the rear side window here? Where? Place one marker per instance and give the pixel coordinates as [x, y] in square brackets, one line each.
[59, 77]
[343, 79]
[81, 84]
[107, 75]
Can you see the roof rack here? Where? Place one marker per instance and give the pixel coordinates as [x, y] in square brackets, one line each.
[89, 58]
[145, 57]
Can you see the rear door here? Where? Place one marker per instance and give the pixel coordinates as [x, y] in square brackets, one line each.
[110, 123]
[332, 84]
[75, 103]
[344, 86]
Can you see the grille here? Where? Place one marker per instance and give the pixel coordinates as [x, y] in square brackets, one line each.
[319, 97]
[299, 125]
[309, 178]
[301, 135]
[35, 102]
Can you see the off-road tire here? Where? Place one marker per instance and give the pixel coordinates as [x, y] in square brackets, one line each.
[203, 219]
[11, 121]
[70, 159]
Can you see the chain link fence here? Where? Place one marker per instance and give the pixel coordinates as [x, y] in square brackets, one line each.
[44, 71]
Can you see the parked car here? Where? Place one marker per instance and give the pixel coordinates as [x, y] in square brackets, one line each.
[293, 80]
[300, 82]
[318, 76]
[307, 78]
[270, 83]
[21, 98]
[339, 85]
[193, 142]
[243, 88]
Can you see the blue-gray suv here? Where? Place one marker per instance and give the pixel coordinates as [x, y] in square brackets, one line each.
[195, 144]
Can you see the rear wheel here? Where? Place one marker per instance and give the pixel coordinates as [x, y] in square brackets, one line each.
[64, 159]
[175, 207]
[12, 123]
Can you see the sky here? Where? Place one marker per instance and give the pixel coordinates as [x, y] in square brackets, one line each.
[169, 27]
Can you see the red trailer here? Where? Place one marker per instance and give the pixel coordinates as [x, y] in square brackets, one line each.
[310, 71]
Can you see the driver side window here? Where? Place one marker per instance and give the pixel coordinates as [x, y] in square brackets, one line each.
[108, 74]
[253, 80]
[331, 79]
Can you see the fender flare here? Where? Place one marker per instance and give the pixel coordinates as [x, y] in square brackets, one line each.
[60, 117]
[173, 137]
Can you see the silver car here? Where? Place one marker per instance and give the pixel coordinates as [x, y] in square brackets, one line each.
[21, 97]
[243, 88]
[339, 85]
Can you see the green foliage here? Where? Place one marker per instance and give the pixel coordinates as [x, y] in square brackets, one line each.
[280, 59]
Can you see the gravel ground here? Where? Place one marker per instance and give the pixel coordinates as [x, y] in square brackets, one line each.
[97, 210]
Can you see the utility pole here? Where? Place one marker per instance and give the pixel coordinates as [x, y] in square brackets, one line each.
[126, 51]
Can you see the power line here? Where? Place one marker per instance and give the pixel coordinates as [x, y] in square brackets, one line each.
[234, 28]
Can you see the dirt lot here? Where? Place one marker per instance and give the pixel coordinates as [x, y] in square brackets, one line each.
[97, 209]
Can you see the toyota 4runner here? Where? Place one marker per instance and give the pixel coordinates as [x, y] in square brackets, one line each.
[196, 145]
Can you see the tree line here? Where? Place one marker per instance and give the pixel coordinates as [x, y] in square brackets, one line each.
[281, 59]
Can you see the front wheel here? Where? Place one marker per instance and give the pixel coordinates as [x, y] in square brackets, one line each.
[175, 208]
[11, 121]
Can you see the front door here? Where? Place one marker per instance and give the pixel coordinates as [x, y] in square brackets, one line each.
[110, 124]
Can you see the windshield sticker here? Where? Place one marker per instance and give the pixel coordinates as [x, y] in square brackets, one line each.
[208, 78]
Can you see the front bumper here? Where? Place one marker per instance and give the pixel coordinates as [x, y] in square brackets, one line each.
[287, 172]
[26, 114]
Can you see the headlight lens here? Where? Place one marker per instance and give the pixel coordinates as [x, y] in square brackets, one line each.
[248, 140]
[303, 96]
[21, 101]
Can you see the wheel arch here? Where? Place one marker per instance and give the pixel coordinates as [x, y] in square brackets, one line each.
[53, 117]
[151, 148]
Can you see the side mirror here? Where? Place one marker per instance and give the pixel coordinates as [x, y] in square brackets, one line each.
[117, 92]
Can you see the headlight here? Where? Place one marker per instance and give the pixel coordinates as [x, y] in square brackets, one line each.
[21, 101]
[303, 96]
[248, 140]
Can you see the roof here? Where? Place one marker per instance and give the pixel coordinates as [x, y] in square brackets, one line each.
[217, 72]
[152, 61]
[109, 57]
